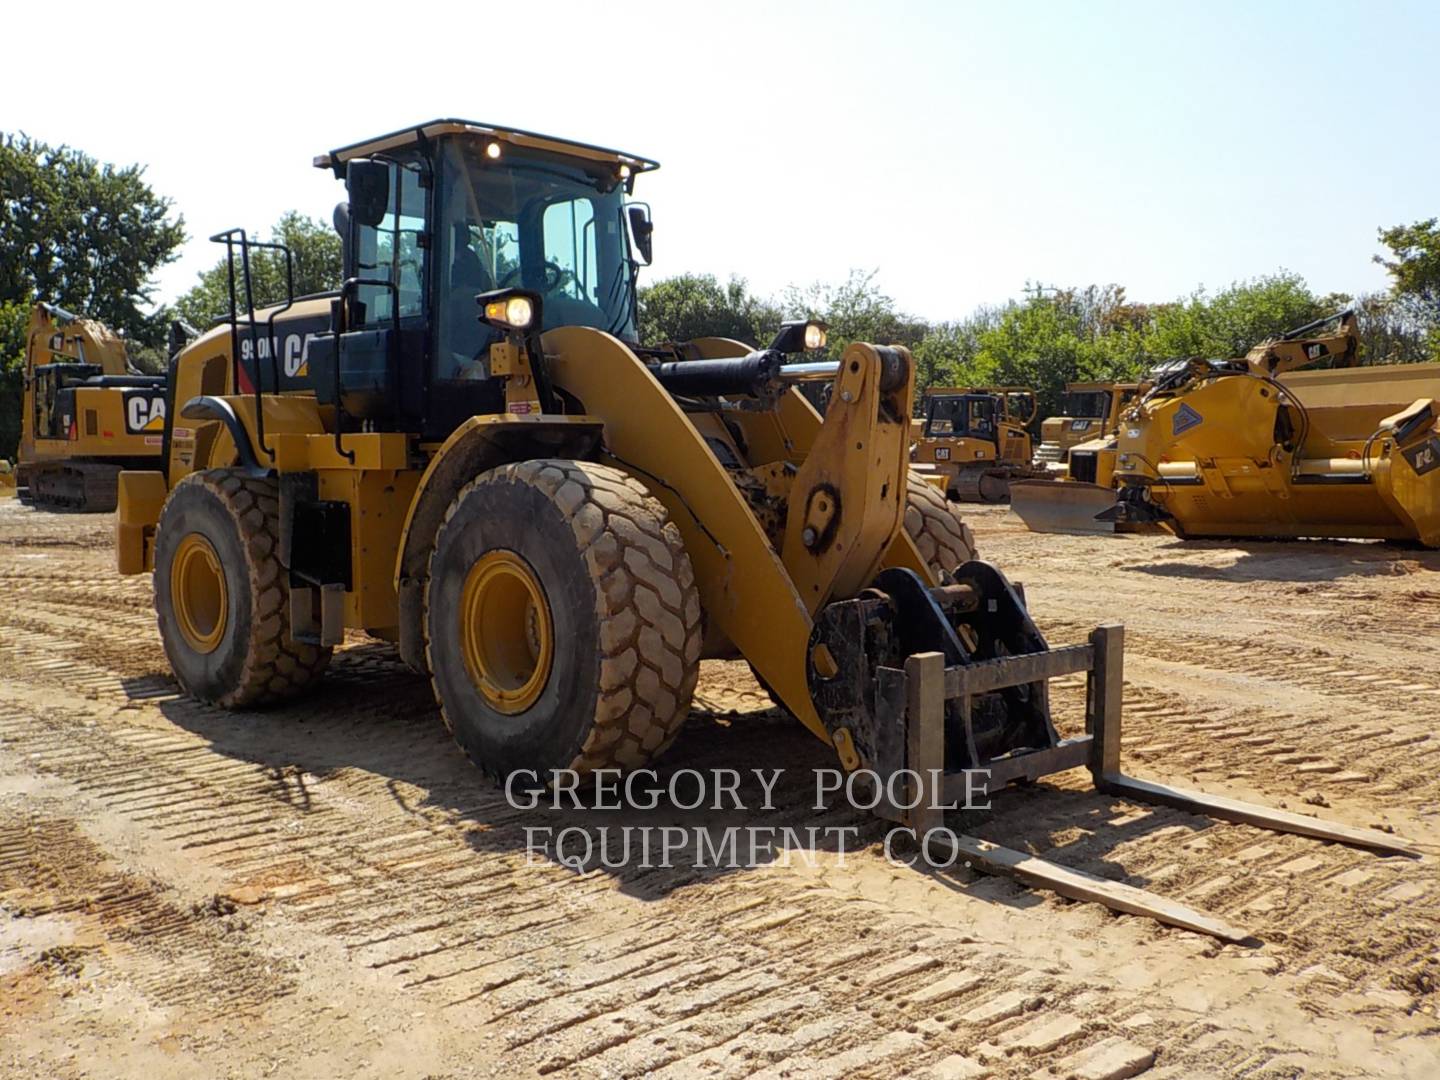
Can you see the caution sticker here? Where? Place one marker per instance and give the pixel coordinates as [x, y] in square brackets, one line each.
[1185, 418]
[1423, 457]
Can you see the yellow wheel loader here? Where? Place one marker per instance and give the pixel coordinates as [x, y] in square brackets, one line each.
[466, 450]
[85, 414]
[1255, 447]
[974, 441]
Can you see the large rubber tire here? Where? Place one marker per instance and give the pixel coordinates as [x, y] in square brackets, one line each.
[932, 521]
[624, 618]
[255, 661]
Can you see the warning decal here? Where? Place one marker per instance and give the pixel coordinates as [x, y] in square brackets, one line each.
[1185, 419]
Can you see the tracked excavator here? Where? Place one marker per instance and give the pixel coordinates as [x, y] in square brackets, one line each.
[85, 413]
[467, 451]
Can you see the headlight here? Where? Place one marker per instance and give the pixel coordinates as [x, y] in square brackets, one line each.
[510, 309]
[799, 335]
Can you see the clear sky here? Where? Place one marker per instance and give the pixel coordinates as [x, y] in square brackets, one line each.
[959, 148]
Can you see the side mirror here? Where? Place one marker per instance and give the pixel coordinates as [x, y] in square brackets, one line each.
[368, 183]
[642, 230]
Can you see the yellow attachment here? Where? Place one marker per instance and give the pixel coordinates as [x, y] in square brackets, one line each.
[198, 594]
[506, 634]
[142, 494]
[747, 595]
[848, 498]
[845, 749]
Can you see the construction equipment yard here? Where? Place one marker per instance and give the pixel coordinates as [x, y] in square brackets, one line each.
[329, 888]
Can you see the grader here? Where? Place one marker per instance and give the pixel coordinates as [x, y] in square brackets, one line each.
[467, 451]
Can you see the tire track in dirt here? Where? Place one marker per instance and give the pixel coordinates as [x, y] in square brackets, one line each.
[352, 814]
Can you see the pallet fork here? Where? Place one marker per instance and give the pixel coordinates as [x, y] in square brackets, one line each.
[929, 685]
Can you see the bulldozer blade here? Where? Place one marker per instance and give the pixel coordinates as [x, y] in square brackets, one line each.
[1264, 817]
[1078, 885]
[1061, 505]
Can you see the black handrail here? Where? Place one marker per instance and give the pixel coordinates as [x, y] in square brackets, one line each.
[228, 238]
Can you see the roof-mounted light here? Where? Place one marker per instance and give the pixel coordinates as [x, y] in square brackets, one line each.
[492, 150]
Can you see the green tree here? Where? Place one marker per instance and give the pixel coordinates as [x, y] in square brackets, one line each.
[1414, 266]
[1238, 317]
[949, 353]
[1064, 335]
[855, 310]
[315, 261]
[691, 306]
[14, 317]
[82, 235]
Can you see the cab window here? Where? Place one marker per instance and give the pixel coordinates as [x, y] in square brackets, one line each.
[392, 251]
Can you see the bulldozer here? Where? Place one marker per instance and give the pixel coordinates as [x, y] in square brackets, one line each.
[1088, 411]
[467, 451]
[974, 440]
[85, 413]
[1262, 447]
[1077, 454]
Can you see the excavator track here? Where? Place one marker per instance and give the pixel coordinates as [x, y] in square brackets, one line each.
[81, 487]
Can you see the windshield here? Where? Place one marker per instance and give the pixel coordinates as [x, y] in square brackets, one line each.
[1089, 403]
[530, 220]
[961, 415]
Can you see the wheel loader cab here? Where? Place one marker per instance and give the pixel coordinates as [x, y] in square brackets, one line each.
[431, 226]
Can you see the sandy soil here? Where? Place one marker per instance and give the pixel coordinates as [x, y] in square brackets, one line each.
[330, 890]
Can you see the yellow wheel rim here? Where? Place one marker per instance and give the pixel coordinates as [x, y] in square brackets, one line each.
[505, 631]
[197, 593]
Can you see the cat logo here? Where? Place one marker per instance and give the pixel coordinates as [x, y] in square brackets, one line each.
[1185, 418]
[144, 413]
[291, 350]
[297, 360]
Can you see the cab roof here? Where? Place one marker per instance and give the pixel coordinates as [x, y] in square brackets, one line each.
[335, 159]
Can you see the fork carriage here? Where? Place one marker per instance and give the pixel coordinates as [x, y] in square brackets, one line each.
[928, 689]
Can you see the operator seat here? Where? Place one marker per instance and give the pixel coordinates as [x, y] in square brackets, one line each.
[468, 278]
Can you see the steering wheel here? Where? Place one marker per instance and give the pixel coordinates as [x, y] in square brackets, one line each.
[554, 274]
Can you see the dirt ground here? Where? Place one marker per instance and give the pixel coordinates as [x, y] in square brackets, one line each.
[330, 890]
